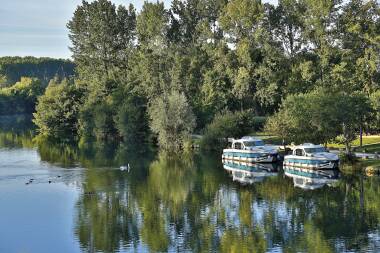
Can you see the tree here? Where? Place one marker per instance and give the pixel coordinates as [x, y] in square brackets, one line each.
[57, 110]
[102, 37]
[229, 125]
[195, 21]
[375, 104]
[12, 69]
[286, 23]
[240, 18]
[131, 119]
[21, 97]
[172, 120]
[352, 111]
[152, 25]
[320, 117]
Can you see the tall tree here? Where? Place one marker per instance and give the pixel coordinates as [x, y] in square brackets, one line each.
[101, 36]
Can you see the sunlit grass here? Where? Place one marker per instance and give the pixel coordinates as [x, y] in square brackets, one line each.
[373, 142]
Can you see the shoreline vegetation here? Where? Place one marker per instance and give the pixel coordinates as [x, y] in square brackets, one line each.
[304, 71]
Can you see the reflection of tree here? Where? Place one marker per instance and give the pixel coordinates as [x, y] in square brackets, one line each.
[238, 241]
[172, 178]
[16, 131]
[186, 202]
[163, 196]
[245, 210]
[63, 154]
[106, 219]
[312, 240]
[16, 140]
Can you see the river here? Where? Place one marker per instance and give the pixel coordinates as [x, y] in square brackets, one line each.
[66, 198]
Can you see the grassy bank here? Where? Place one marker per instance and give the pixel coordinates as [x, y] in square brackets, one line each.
[371, 144]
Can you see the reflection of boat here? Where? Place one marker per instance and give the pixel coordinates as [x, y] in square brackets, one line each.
[249, 173]
[312, 156]
[311, 179]
[250, 149]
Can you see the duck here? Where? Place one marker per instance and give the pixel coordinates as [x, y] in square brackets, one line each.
[125, 167]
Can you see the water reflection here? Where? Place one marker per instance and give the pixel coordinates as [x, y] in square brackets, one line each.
[249, 173]
[311, 179]
[187, 202]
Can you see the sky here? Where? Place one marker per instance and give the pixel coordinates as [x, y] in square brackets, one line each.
[38, 27]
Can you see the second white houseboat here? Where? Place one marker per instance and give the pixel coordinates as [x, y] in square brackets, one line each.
[312, 156]
[250, 149]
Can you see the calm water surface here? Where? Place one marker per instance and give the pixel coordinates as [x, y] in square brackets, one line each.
[80, 201]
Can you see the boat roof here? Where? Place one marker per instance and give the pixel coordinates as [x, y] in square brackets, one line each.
[308, 145]
[249, 138]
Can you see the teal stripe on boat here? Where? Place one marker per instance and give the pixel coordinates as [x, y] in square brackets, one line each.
[245, 155]
[306, 161]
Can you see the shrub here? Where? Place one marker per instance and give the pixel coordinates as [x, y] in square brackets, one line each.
[230, 124]
[57, 110]
[172, 120]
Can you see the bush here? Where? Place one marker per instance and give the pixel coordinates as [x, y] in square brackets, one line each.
[230, 124]
[172, 120]
[57, 110]
[21, 97]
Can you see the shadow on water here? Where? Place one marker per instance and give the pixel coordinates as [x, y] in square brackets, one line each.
[188, 202]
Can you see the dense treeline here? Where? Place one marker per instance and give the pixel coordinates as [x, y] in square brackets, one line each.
[211, 57]
[12, 69]
[21, 97]
[24, 79]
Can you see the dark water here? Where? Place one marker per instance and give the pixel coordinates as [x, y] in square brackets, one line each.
[80, 201]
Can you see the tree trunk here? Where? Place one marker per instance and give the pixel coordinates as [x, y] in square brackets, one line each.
[346, 139]
[361, 194]
[361, 136]
[347, 145]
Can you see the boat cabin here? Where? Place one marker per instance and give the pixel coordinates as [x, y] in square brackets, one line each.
[246, 143]
[308, 149]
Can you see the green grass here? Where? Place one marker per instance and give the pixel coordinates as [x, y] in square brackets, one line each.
[367, 140]
[369, 149]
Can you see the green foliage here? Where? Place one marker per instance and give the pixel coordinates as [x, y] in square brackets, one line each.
[172, 120]
[320, 116]
[375, 104]
[131, 120]
[152, 24]
[58, 109]
[102, 36]
[103, 121]
[352, 111]
[12, 69]
[229, 125]
[21, 97]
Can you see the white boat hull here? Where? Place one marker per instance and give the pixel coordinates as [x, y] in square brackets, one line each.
[310, 162]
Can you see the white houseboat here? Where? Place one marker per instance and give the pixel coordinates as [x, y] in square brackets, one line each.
[249, 149]
[311, 156]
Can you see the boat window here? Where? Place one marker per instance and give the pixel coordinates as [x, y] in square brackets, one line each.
[237, 145]
[315, 150]
[253, 143]
[299, 152]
